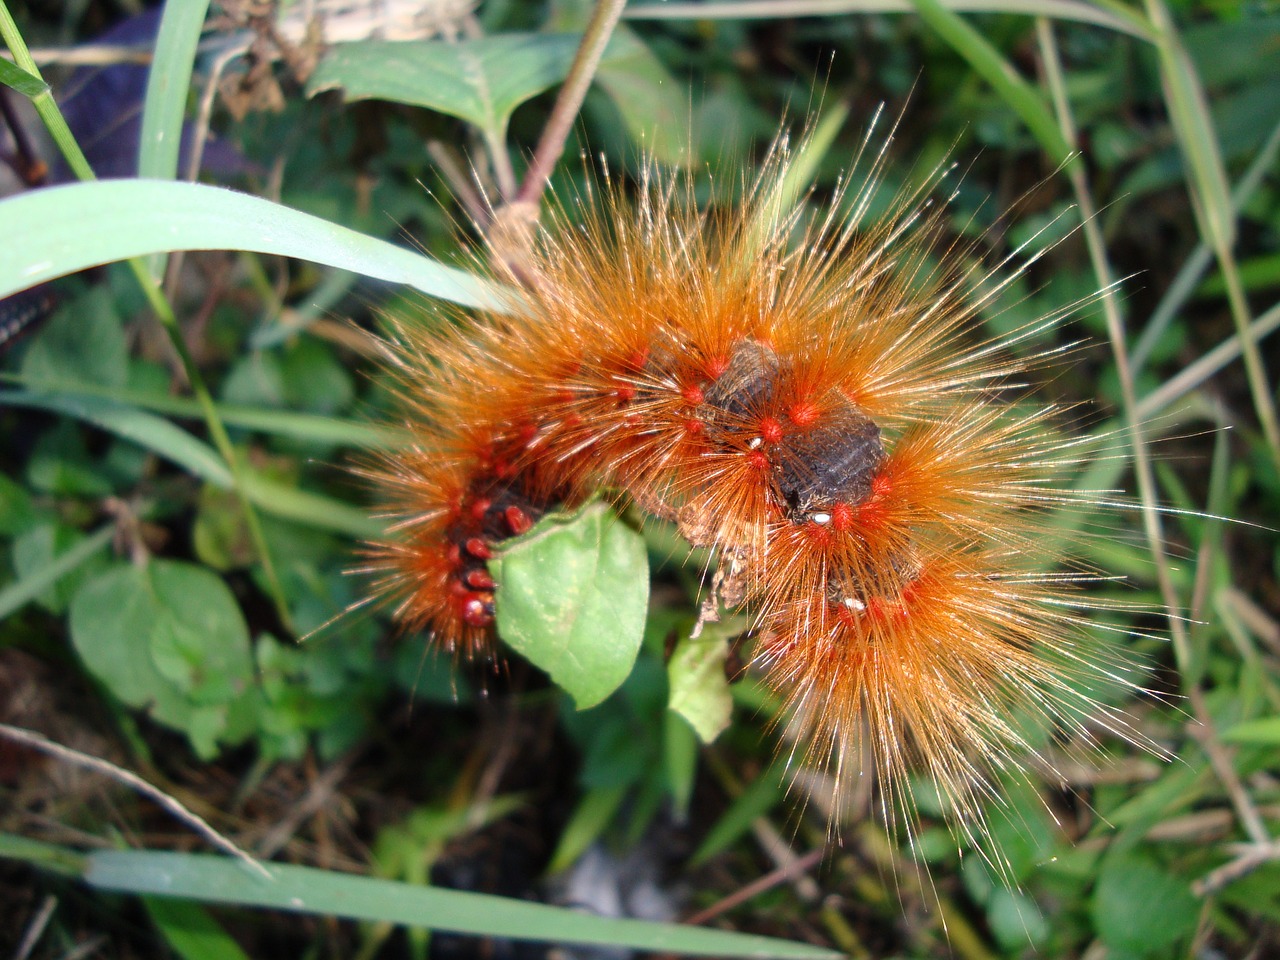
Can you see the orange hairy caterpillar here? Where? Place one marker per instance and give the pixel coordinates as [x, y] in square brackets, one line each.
[812, 401]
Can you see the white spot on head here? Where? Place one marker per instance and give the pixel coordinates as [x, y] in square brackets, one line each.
[820, 517]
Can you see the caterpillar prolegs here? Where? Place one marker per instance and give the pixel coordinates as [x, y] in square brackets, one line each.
[813, 400]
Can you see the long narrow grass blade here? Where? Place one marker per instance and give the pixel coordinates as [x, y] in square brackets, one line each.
[165, 105]
[306, 890]
[997, 71]
[1113, 16]
[82, 225]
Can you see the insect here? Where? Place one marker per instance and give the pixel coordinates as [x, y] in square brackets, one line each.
[814, 400]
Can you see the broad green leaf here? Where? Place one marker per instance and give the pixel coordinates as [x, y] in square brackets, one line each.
[167, 637]
[83, 342]
[71, 227]
[1142, 908]
[480, 80]
[572, 600]
[699, 688]
[653, 104]
[308, 890]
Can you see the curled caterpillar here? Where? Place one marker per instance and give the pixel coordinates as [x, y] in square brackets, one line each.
[816, 403]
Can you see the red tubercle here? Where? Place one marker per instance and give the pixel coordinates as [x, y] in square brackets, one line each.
[714, 367]
[474, 610]
[843, 517]
[771, 430]
[517, 520]
[637, 360]
[477, 548]
[693, 427]
[879, 609]
[479, 580]
[804, 413]
[480, 507]
[758, 460]
[692, 394]
[526, 433]
[625, 393]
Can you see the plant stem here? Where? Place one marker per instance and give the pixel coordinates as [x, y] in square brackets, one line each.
[600, 28]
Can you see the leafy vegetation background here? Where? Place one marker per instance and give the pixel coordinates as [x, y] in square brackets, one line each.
[142, 627]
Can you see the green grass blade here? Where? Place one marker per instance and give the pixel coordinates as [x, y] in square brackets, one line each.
[279, 423]
[1113, 16]
[46, 856]
[17, 79]
[167, 86]
[166, 102]
[321, 512]
[147, 430]
[997, 71]
[296, 889]
[176, 445]
[18, 594]
[81, 225]
[190, 931]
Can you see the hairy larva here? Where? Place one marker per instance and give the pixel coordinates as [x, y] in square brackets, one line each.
[816, 402]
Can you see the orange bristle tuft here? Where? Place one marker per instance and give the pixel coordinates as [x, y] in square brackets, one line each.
[817, 405]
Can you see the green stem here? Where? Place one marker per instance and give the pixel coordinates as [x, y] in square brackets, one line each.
[583, 70]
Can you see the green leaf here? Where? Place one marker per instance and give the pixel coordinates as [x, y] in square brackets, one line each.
[190, 931]
[988, 63]
[307, 890]
[168, 81]
[572, 600]
[1139, 906]
[653, 104]
[34, 582]
[36, 554]
[71, 227]
[480, 80]
[699, 688]
[765, 793]
[14, 77]
[83, 343]
[145, 429]
[167, 637]
[595, 811]
[1265, 730]
[18, 510]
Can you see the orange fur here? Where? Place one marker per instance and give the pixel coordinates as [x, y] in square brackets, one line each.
[814, 403]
